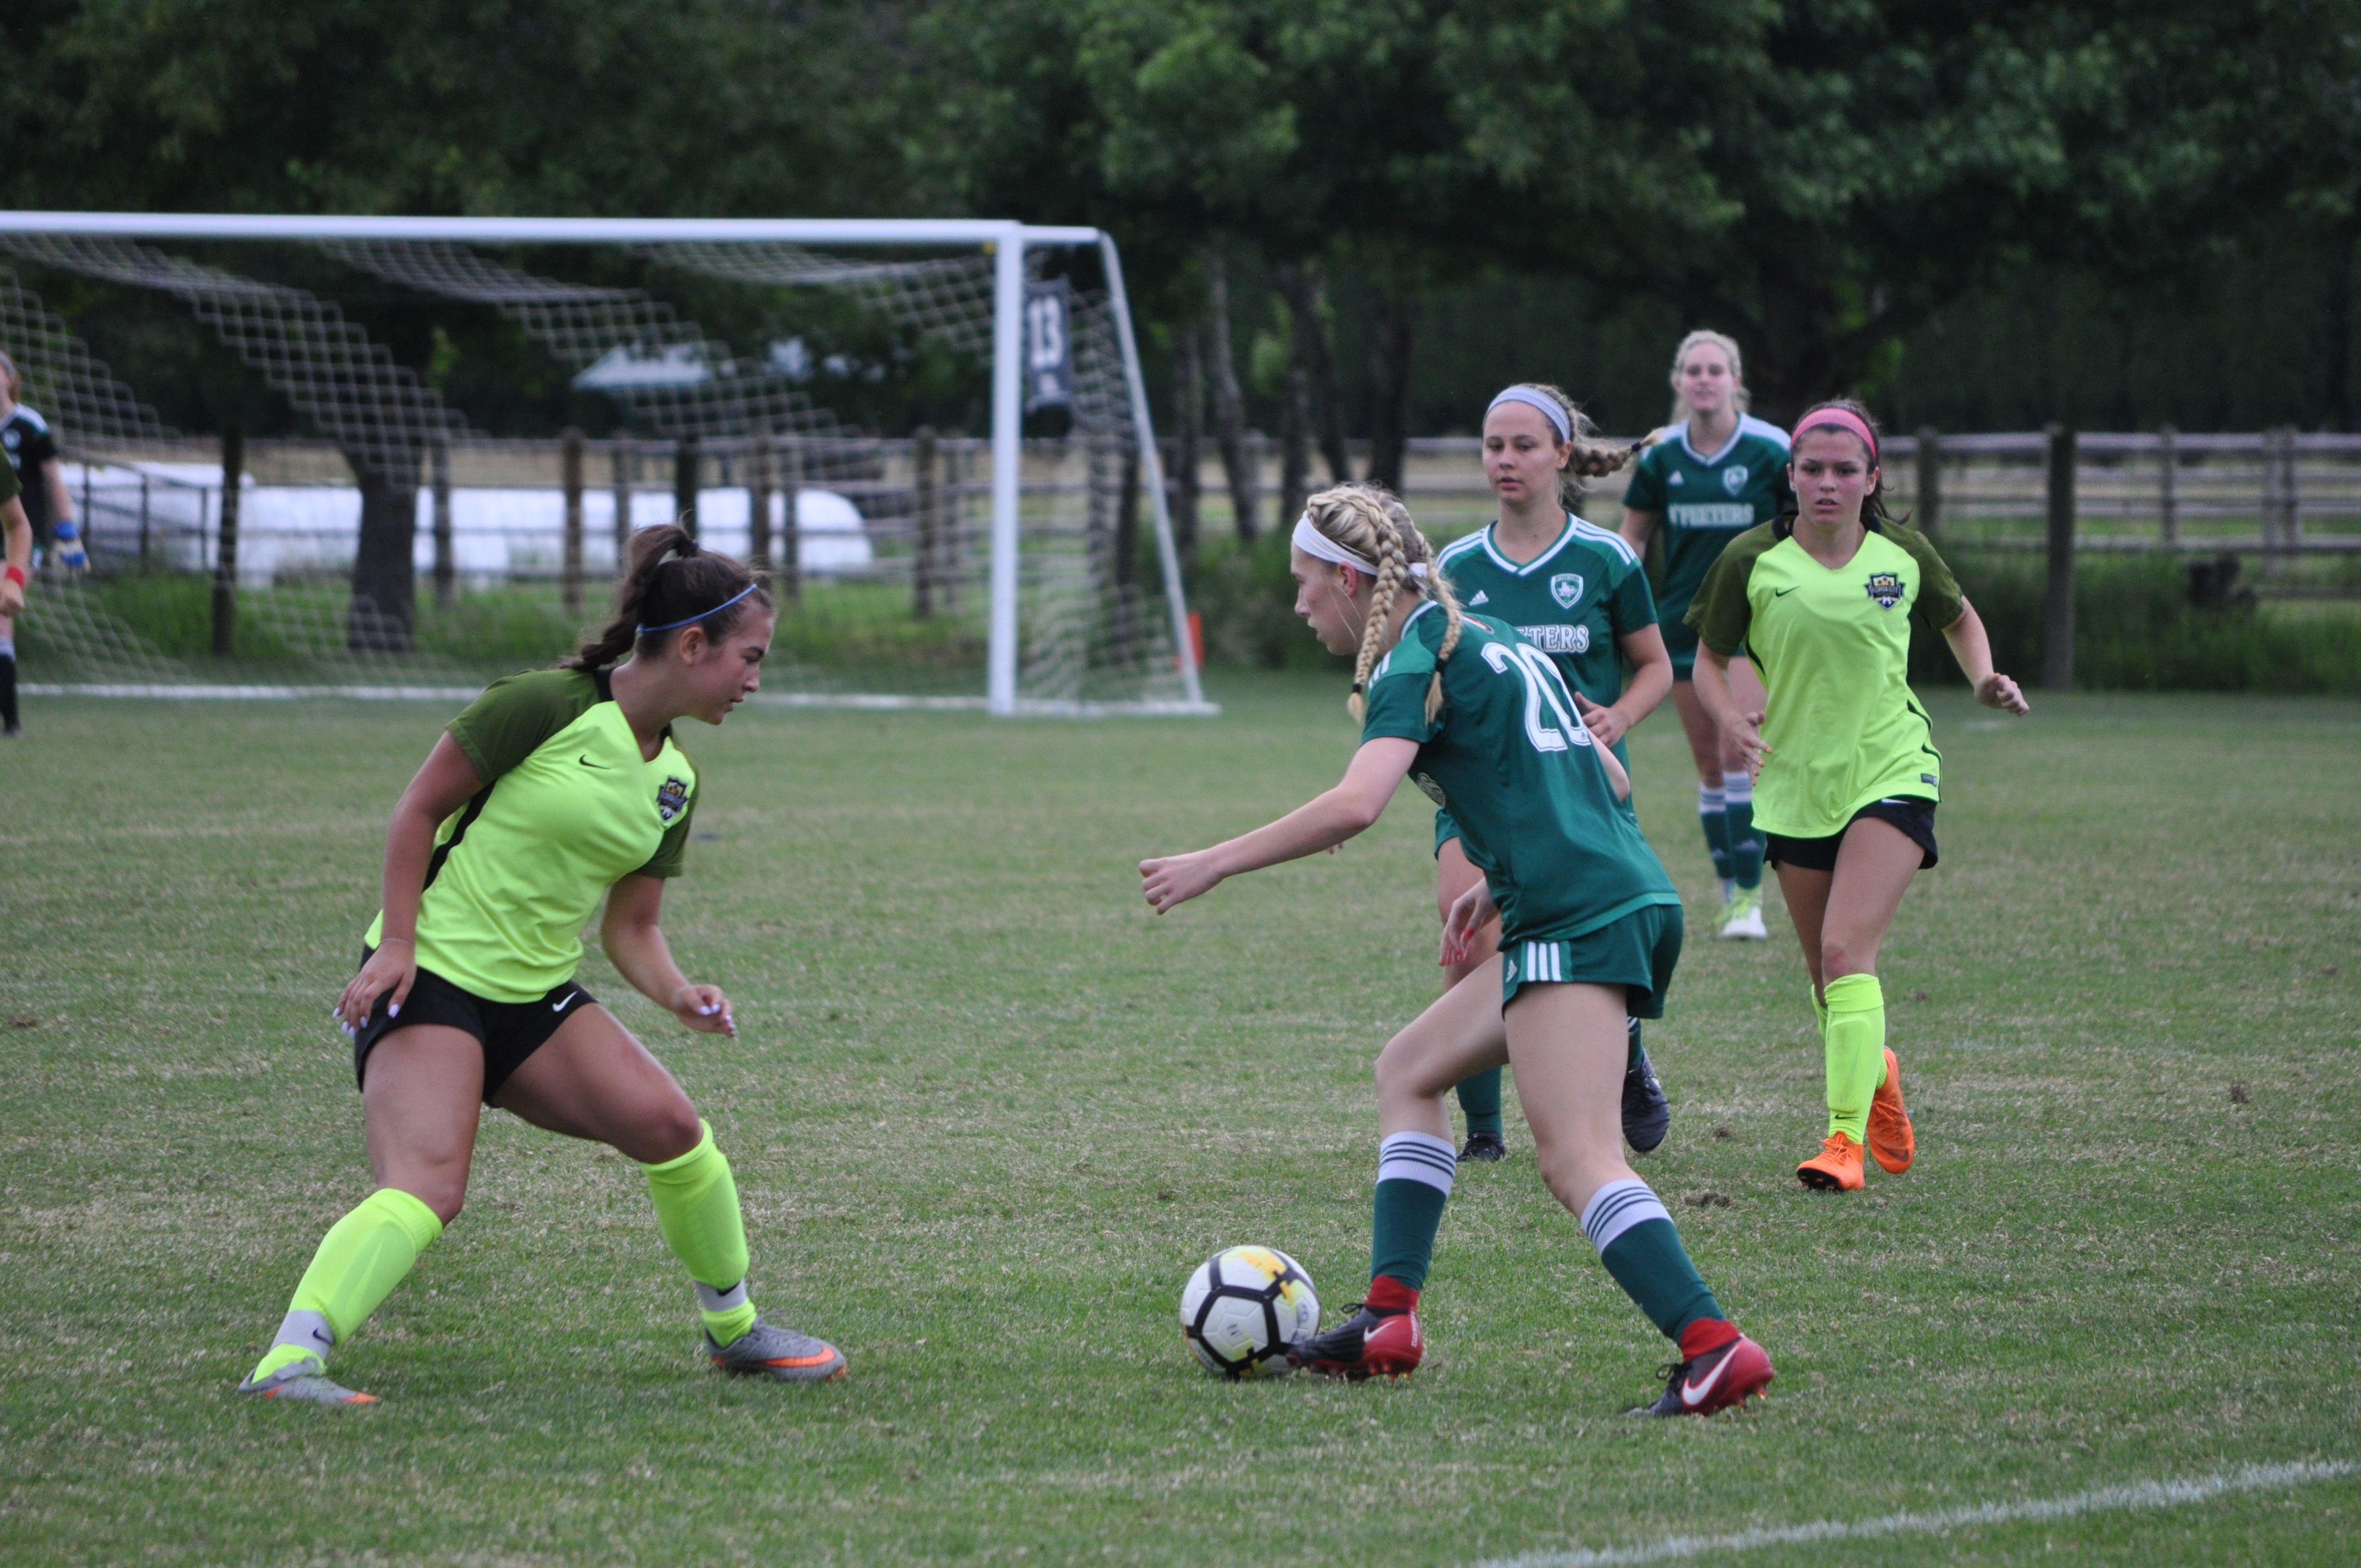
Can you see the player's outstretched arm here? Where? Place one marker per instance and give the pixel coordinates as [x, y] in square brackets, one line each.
[1322, 823]
[442, 786]
[632, 934]
[1971, 646]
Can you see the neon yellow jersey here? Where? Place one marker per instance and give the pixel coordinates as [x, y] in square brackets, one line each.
[1843, 725]
[569, 808]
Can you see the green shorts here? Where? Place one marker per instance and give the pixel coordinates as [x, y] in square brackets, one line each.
[1637, 952]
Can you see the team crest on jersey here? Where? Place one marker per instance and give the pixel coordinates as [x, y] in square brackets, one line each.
[1566, 588]
[1733, 479]
[672, 799]
[1885, 588]
[1428, 787]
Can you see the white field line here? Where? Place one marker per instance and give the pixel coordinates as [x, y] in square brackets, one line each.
[2104, 1499]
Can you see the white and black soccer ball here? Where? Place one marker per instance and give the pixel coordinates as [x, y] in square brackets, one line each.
[1245, 1308]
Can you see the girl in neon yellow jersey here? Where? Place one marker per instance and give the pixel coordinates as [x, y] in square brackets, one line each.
[553, 791]
[1843, 755]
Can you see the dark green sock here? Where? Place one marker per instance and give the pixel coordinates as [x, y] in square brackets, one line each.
[1632, 1051]
[1738, 827]
[1713, 815]
[1479, 1099]
[1637, 1243]
[1414, 1174]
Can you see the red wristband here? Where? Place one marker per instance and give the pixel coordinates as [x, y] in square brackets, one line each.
[15, 574]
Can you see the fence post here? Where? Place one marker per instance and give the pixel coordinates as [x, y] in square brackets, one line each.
[438, 463]
[2290, 492]
[1930, 479]
[569, 574]
[2167, 497]
[144, 563]
[925, 502]
[685, 479]
[624, 460]
[226, 547]
[758, 504]
[2058, 612]
[790, 574]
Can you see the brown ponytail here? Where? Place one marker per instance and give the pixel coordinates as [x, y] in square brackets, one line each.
[1592, 458]
[672, 585]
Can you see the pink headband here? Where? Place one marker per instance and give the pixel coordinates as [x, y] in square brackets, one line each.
[1842, 418]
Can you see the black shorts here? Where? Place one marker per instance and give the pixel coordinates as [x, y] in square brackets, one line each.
[1913, 816]
[509, 1031]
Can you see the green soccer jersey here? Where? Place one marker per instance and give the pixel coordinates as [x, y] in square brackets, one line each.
[1705, 501]
[1843, 727]
[569, 808]
[1571, 601]
[1509, 759]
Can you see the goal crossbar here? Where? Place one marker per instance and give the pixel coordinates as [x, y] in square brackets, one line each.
[1006, 240]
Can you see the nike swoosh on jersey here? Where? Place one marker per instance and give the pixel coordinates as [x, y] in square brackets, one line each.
[600, 766]
[1781, 593]
[1695, 1394]
[562, 1007]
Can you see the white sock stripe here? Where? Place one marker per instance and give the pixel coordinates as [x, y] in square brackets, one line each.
[713, 1300]
[1736, 789]
[1615, 1208]
[311, 1330]
[1709, 800]
[1417, 1156]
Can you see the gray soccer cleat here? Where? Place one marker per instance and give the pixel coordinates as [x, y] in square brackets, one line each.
[304, 1382]
[767, 1350]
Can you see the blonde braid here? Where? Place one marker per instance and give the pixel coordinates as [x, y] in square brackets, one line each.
[1372, 523]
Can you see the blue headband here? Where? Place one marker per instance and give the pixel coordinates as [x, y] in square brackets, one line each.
[700, 615]
[1542, 401]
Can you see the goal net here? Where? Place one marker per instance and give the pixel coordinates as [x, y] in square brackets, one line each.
[397, 534]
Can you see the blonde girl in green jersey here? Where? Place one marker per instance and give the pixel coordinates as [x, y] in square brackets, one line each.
[552, 791]
[1577, 592]
[1483, 723]
[1706, 477]
[1843, 755]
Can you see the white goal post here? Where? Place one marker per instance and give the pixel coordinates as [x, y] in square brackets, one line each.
[1007, 243]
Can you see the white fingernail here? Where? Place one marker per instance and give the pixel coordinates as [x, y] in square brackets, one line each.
[393, 1011]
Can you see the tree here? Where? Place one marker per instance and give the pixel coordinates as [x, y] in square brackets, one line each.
[1840, 171]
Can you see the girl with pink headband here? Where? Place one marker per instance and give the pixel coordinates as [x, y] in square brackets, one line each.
[1842, 754]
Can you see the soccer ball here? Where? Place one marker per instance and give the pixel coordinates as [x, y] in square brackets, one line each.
[1245, 1308]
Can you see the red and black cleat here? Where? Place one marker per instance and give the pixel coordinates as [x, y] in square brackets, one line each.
[1707, 1380]
[1372, 1341]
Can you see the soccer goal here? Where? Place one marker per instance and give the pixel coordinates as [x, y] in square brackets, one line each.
[385, 541]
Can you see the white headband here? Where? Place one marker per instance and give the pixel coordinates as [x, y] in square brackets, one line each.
[1531, 398]
[1313, 543]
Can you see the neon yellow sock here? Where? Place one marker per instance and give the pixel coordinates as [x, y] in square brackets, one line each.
[359, 1261]
[697, 1209]
[1819, 1008]
[1856, 1051]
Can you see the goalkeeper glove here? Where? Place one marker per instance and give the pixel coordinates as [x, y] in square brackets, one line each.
[71, 554]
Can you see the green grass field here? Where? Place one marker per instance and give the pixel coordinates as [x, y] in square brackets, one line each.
[987, 1113]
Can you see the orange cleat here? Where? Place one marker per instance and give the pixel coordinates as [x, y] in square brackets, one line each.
[1890, 1142]
[1836, 1169]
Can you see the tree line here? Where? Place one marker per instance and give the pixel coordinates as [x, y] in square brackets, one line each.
[1826, 180]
